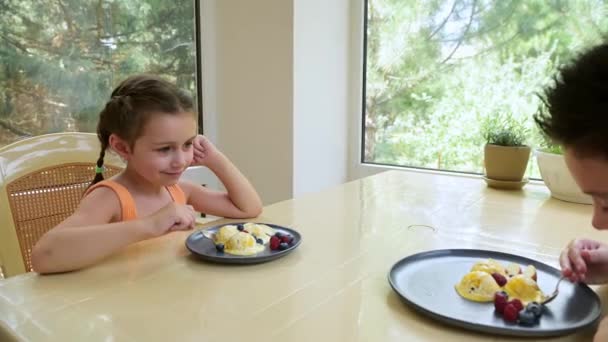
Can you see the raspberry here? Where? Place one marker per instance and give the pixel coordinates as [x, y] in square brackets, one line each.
[510, 313]
[500, 301]
[517, 303]
[501, 280]
[286, 238]
[274, 243]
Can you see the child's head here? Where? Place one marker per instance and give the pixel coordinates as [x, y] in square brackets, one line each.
[136, 105]
[577, 117]
[576, 114]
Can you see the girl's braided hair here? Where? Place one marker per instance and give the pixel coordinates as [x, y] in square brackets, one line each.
[130, 107]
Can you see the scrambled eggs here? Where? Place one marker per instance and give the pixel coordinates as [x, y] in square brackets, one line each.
[480, 286]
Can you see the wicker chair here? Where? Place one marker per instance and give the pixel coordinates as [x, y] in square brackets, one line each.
[41, 182]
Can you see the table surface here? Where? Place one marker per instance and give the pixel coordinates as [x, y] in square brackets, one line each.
[333, 287]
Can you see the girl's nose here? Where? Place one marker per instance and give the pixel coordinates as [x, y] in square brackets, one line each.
[179, 159]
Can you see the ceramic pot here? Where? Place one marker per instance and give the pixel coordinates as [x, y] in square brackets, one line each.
[558, 179]
[506, 163]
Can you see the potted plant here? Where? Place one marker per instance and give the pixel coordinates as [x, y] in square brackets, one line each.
[556, 175]
[506, 154]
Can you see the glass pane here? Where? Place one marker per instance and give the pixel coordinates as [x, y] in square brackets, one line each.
[60, 60]
[437, 70]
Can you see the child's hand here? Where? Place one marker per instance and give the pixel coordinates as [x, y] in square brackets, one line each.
[171, 217]
[204, 151]
[585, 260]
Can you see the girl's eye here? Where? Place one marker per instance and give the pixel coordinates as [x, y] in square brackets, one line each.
[188, 144]
[164, 149]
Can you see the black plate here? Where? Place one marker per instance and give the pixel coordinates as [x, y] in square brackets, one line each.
[426, 282]
[205, 249]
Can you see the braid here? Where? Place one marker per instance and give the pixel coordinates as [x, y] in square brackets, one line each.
[104, 140]
[98, 175]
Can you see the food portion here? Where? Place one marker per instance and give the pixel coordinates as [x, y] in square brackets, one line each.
[225, 233]
[242, 243]
[489, 266]
[524, 289]
[260, 231]
[514, 291]
[249, 239]
[477, 286]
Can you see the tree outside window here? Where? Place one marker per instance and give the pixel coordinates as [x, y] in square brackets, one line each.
[59, 60]
[436, 70]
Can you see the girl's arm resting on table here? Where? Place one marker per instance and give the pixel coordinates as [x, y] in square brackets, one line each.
[87, 236]
[240, 199]
[71, 248]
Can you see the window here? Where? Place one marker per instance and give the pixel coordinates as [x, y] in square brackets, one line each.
[436, 70]
[60, 60]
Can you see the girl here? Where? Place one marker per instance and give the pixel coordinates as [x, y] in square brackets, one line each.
[151, 124]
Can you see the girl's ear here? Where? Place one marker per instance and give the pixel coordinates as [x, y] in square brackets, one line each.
[120, 146]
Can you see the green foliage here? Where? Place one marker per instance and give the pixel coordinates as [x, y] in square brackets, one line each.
[554, 148]
[504, 131]
[549, 146]
[505, 138]
[59, 60]
[437, 69]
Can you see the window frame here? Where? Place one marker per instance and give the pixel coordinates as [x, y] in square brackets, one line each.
[358, 167]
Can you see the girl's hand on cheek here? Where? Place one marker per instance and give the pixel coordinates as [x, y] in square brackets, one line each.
[204, 151]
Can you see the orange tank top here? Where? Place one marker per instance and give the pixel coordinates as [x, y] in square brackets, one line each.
[127, 204]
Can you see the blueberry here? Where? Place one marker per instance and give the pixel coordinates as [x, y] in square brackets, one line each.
[278, 234]
[283, 246]
[260, 241]
[220, 247]
[535, 308]
[526, 317]
[240, 227]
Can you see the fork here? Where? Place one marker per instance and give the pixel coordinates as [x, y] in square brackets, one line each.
[209, 235]
[554, 294]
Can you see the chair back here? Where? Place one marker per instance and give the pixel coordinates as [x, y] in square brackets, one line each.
[42, 180]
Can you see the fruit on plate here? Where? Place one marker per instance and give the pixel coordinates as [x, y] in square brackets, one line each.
[512, 270]
[530, 272]
[513, 290]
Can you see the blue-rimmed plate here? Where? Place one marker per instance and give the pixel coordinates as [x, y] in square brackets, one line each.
[426, 282]
[204, 248]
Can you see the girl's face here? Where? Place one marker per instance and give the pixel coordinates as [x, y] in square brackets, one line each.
[164, 150]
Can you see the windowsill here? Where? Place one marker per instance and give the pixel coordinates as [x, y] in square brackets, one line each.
[380, 168]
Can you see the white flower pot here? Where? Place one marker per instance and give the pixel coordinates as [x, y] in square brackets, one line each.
[557, 178]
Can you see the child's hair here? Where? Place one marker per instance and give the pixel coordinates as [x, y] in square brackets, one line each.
[575, 107]
[130, 107]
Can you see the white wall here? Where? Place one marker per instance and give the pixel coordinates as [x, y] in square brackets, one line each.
[321, 51]
[276, 87]
[248, 86]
